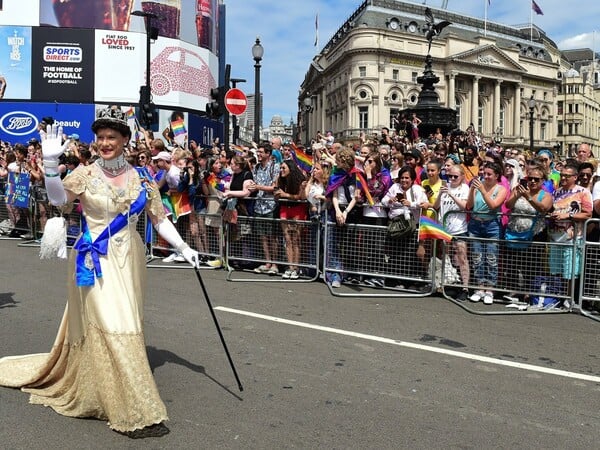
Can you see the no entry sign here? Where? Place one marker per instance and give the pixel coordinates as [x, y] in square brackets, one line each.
[235, 101]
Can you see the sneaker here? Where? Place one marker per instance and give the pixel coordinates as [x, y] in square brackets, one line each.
[478, 295]
[336, 283]
[179, 258]
[511, 298]
[170, 258]
[274, 270]
[368, 282]
[287, 274]
[294, 275]
[378, 282]
[262, 269]
[488, 298]
[462, 295]
[215, 263]
[27, 236]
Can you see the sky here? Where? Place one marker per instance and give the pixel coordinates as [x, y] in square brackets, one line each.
[287, 33]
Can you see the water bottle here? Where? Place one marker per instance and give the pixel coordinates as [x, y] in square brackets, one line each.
[542, 298]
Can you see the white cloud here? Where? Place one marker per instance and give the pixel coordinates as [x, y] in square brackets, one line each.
[287, 32]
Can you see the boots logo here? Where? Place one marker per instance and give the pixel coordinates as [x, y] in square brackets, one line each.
[18, 123]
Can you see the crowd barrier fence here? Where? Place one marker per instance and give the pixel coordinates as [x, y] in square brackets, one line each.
[360, 253]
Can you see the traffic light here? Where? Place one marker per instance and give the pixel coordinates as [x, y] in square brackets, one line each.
[149, 114]
[216, 107]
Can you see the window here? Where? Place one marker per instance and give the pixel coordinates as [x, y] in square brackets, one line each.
[458, 108]
[543, 131]
[480, 118]
[363, 117]
[545, 96]
[501, 118]
[414, 76]
[570, 108]
[362, 94]
[576, 107]
[559, 107]
[395, 74]
[362, 71]
[560, 128]
[570, 128]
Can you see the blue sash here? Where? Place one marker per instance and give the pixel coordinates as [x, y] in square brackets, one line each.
[88, 252]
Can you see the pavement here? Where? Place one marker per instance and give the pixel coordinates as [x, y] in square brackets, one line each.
[318, 371]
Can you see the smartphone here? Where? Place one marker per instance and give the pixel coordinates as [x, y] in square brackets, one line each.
[523, 182]
[400, 196]
[428, 191]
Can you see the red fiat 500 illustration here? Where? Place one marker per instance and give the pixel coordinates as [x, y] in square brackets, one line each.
[180, 70]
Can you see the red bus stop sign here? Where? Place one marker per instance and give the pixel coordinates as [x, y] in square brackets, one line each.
[235, 101]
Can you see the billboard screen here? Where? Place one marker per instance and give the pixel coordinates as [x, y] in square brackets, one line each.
[192, 21]
[62, 65]
[15, 62]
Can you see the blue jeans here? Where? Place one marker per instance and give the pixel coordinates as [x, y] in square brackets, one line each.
[484, 255]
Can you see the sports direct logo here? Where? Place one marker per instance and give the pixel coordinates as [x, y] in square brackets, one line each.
[55, 53]
[18, 123]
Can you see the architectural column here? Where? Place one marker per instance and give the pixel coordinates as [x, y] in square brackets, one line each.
[517, 111]
[496, 114]
[380, 118]
[452, 90]
[475, 101]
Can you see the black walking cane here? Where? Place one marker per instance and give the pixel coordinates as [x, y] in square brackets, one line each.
[212, 313]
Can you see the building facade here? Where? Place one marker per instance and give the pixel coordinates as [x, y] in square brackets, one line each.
[488, 72]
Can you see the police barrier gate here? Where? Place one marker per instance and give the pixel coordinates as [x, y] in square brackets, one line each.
[523, 276]
[589, 287]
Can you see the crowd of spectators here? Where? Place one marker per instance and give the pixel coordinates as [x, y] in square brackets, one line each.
[476, 187]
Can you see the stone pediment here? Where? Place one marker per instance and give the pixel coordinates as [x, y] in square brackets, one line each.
[488, 56]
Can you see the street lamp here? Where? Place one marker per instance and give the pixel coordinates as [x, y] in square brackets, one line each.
[531, 104]
[146, 106]
[307, 106]
[257, 54]
[498, 136]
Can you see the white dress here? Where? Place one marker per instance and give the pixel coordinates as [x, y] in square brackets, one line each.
[98, 365]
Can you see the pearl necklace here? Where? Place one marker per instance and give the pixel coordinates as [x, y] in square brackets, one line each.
[113, 167]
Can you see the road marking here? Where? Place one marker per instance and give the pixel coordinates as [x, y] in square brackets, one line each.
[427, 348]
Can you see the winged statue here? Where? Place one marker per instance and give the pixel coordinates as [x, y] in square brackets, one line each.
[433, 29]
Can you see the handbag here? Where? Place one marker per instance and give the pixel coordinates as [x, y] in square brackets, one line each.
[526, 236]
[401, 227]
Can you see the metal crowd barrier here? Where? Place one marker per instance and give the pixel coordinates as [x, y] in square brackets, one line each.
[205, 236]
[22, 229]
[244, 247]
[526, 283]
[589, 286]
[363, 257]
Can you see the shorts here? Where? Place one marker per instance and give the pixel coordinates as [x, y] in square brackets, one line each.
[264, 227]
[298, 212]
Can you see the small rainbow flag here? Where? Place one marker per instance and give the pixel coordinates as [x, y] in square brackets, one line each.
[238, 149]
[216, 182]
[431, 229]
[178, 127]
[301, 159]
[130, 114]
[364, 186]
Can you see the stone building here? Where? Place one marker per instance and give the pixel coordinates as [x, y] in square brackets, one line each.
[488, 72]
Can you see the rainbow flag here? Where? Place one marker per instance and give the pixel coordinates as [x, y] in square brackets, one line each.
[431, 229]
[301, 159]
[130, 114]
[238, 149]
[178, 127]
[216, 182]
[364, 186]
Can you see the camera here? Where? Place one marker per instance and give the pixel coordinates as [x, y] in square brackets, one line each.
[523, 182]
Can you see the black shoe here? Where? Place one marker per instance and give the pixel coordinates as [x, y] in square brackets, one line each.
[463, 295]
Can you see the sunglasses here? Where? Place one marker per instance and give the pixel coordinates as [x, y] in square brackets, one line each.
[566, 175]
[453, 177]
[141, 157]
[534, 179]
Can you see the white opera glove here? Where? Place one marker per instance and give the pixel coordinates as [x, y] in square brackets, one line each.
[52, 148]
[169, 233]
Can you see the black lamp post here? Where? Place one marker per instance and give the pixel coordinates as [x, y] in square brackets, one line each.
[307, 105]
[146, 106]
[531, 104]
[234, 124]
[257, 54]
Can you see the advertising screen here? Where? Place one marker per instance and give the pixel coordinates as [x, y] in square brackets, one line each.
[15, 63]
[62, 65]
[192, 21]
[20, 12]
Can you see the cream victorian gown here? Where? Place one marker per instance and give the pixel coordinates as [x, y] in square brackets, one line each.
[98, 365]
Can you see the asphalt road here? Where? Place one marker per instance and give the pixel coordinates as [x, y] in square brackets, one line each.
[319, 371]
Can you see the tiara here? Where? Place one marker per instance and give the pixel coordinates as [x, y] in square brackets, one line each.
[112, 113]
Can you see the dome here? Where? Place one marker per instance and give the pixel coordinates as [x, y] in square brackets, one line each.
[571, 73]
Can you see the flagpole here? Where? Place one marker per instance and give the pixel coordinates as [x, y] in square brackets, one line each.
[531, 22]
[485, 17]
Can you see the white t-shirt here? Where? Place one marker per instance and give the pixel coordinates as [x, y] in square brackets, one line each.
[454, 223]
[596, 191]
